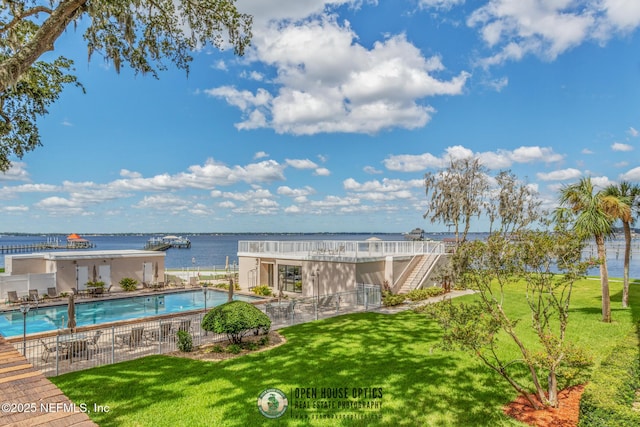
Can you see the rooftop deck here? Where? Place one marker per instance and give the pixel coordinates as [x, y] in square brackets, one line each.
[321, 249]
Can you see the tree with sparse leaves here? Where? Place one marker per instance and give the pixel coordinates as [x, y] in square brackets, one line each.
[457, 194]
[145, 34]
[544, 265]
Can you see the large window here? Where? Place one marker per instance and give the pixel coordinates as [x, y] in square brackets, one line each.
[291, 277]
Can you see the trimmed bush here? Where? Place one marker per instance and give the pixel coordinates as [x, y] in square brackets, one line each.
[389, 299]
[128, 284]
[422, 294]
[236, 319]
[263, 290]
[185, 342]
[608, 398]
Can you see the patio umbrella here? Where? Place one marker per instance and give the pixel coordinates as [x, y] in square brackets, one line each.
[95, 274]
[155, 274]
[71, 313]
[230, 298]
[226, 265]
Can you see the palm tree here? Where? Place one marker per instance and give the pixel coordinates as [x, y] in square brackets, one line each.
[592, 219]
[628, 198]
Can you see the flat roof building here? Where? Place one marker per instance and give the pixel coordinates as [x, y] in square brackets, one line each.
[65, 270]
[323, 267]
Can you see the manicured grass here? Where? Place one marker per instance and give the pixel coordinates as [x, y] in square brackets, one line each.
[421, 384]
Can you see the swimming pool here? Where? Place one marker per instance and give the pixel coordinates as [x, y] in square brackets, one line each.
[46, 319]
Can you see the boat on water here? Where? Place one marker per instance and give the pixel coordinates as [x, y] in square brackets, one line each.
[415, 234]
[166, 242]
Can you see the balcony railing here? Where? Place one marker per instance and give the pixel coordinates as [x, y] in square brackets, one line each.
[338, 248]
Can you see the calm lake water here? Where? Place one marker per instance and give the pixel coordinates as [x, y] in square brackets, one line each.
[211, 250]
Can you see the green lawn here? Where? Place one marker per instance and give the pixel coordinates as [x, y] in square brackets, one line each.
[421, 384]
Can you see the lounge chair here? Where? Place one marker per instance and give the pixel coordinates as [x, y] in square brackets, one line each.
[134, 338]
[52, 293]
[33, 295]
[93, 341]
[12, 297]
[59, 349]
[162, 334]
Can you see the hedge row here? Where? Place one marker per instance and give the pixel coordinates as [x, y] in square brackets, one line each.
[609, 397]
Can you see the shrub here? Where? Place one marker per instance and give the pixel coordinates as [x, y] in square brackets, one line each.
[251, 346]
[264, 340]
[263, 290]
[389, 299]
[236, 319]
[607, 399]
[226, 286]
[216, 349]
[128, 284]
[234, 348]
[98, 284]
[185, 342]
[422, 294]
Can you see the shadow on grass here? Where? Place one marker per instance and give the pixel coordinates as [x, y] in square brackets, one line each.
[421, 385]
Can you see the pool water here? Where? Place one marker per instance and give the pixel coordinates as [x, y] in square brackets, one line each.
[46, 319]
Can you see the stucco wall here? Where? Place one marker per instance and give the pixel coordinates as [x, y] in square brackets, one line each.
[29, 265]
[66, 267]
[370, 272]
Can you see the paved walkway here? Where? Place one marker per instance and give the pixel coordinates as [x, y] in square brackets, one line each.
[409, 306]
[30, 399]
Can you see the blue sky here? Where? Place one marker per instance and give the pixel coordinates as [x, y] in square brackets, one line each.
[331, 119]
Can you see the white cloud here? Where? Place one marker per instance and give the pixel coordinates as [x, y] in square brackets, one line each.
[512, 29]
[618, 146]
[220, 65]
[227, 204]
[292, 209]
[601, 181]
[386, 185]
[301, 163]
[493, 160]
[129, 174]
[322, 172]
[326, 82]
[14, 209]
[260, 155]
[586, 151]
[535, 154]
[633, 132]
[17, 172]
[631, 175]
[412, 163]
[61, 205]
[560, 175]
[371, 170]
[439, 4]
[295, 192]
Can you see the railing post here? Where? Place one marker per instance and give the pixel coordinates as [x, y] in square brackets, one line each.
[113, 344]
[57, 354]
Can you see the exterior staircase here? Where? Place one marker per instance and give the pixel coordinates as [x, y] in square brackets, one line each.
[418, 273]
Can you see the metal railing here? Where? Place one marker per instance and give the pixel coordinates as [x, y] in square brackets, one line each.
[301, 310]
[348, 248]
[91, 347]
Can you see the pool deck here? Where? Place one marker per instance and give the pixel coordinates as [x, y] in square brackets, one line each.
[49, 302]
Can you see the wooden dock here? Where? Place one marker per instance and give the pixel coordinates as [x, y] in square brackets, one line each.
[35, 247]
